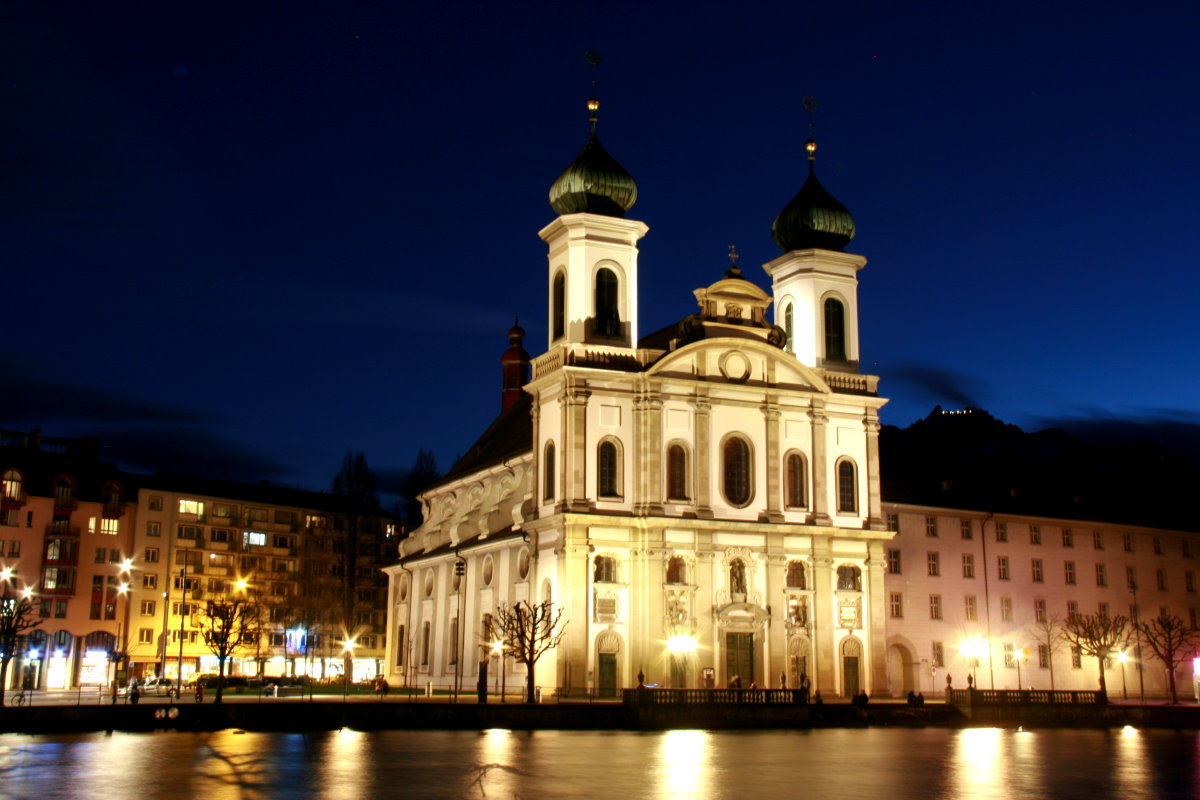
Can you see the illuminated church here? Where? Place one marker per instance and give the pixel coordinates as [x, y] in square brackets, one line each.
[702, 502]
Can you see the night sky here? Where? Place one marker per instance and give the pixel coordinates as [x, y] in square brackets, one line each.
[240, 239]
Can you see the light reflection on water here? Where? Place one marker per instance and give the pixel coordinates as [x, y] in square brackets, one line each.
[930, 764]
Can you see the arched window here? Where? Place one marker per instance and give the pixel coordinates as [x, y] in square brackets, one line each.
[835, 330]
[676, 570]
[64, 492]
[548, 473]
[608, 318]
[558, 301]
[736, 471]
[847, 487]
[606, 570]
[677, 482]
[795, 481]
[737, 576]
[795, 575]
[849, 578]
[789, 328]
[608, 469]
[13, 485]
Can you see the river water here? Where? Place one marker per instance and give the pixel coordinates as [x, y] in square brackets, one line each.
[931, 763]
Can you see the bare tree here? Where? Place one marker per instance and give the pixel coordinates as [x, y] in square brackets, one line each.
[228, 624]
[529, 632]
[1172, 641]
[17, 618]
[1048, 633]
[1096, 635]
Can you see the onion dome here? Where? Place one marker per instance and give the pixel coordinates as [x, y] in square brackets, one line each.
[814, 218]
[594, 182]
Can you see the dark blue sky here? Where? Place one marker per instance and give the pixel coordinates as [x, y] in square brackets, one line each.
[242, 238]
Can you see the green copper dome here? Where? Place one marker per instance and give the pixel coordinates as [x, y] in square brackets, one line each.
[594, 183]
[814, 218]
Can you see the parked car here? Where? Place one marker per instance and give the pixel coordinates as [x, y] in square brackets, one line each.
[163, 687]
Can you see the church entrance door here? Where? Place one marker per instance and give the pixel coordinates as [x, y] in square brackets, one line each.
[850, 675]
[608, 675]
[739, 657]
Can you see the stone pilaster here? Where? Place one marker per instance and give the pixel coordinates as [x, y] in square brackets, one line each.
[703, 456]
[877, 618]
[820, 469]
[875, 520]
[574, 449]
[824, 616]
[773, 512]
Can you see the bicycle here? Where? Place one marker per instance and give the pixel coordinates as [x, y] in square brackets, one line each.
[20, 698]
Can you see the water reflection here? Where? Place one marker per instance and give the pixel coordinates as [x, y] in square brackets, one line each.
[930, 764]
[684, 761]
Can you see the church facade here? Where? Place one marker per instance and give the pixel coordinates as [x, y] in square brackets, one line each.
[703, 503]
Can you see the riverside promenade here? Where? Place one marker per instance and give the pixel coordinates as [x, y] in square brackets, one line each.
[637, 710]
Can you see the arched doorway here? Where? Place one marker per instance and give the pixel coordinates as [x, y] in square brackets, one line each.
[798, 650]
[851, 669]
[902, 670]
[608, 647]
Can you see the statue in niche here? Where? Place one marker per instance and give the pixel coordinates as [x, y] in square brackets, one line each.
[677, 611]
[737, 577]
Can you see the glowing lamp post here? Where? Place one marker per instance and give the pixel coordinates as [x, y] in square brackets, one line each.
[680, 646]
[1122, 657]
[973, 650]
[1020, 656]
[348, 647]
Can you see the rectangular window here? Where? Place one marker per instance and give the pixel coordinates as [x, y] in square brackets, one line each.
[148, 607]
[965, 527]
[1101, 575]
[970, 608]
[284, 517]
[1127, 542]
[101, 555]
[1006, 614]
[60, 609]
[181, 609]
[896, 605]
[935, 606]
[1002, 568]
[153, 528]
[218, 535]
[191, 506]
[1186, 548]
[315, 521]
[110, 527]
[934, 564]
[1009, 655]
[1192, 618]
[145, 635]
[254, 538]
[1189, 581]
[155, 502]
[1035, 534]
[10, 517]
[222, 510]
[893, 562]
[968, 565]
[1076, 657]
[1102, 610]
[189, 532]
[1161, 576]
[1072, 609]
[1039, 610]
[893, 522]
[939, 655]
[1157, 546]
[1131, 578]
[931, 528]
[1043, 656]
[150, 581]
[1068, 538]
[425, 645]
[14, 548]
[1001, 531]
[151, 555]
[453, 660]
[1097, 540]
[1069, 572]
[1036, 572]
[282, 541]
[256, 514]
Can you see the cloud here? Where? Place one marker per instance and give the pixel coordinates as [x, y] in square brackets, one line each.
[938, 384]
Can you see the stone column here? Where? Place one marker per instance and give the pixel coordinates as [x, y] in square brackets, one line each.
[574, 449]
[647, 464]
[824, 617]
[875, 520]
[877, 615]
[820, 470]
[703, 457]
[774, 508]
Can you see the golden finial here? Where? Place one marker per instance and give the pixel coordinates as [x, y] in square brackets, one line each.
[594, 58]
[810, 105]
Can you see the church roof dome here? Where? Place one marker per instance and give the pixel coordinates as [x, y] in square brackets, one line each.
[814, 218]
[594, 182]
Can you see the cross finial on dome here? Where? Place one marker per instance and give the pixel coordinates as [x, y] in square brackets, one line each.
[594, 58]
[810, 105]
[734, 270]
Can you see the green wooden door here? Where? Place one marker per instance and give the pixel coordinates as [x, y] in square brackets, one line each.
[739, 657]
[608, 675]
[850, 675]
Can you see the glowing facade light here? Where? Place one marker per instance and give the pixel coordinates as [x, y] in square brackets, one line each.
[127, 565]
[6, 574]
[681, 644]
[497, 647]
[973, 648]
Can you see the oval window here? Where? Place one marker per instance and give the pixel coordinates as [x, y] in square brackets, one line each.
[523, 563]
[487, 571]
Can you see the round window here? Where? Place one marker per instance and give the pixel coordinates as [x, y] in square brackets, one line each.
[487, 571]
[523, 563]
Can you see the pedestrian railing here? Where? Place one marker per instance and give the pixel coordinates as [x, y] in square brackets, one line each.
[1012, 697]
[698, 697]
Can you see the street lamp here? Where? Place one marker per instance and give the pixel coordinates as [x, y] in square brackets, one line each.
[1020, 656]
[348, 647]
[1137, 632]
[973, 649]
[1122, 657]
[498, 650]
